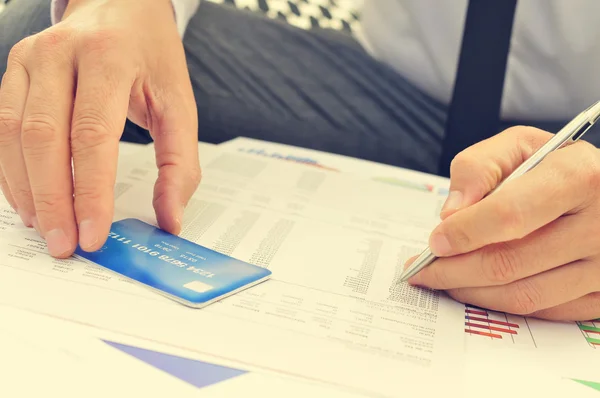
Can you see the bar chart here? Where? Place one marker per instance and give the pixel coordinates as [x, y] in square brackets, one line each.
[591, 332]
[497, 326]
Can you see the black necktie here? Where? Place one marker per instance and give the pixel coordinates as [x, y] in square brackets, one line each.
[474, 112]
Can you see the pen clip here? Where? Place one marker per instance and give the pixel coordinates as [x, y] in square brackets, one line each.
[590, 116]
[579, 132]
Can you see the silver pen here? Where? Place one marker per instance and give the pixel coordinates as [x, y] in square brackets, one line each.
[569, 134]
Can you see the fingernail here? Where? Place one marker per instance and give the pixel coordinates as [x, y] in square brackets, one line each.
[453, 202]
[88, 236]
[36, 226]
[58, 243]
[25, 218]
[439, 244]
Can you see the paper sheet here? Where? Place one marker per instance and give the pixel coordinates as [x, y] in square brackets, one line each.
[40, 356]
[506, 373]
[334, 244]
[569, 350]
[335, 317]
[379, 172]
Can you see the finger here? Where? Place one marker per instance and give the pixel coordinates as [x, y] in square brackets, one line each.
[536, 293]
[99, 116]
[555, 187]
[582, 309]
[174, 128]
[45, 143]
[481, 167]
[503, 263]
[13, 97]
[6, 191]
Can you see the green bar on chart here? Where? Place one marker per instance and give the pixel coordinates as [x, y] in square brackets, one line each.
[593, 341]
[589, 328]
[591, 384]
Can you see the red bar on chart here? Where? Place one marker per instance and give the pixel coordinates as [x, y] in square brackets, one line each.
[495, 322]
[474, 312]
[476, 325]
[492, 335]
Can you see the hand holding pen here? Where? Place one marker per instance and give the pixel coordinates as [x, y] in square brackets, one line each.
[531, 247]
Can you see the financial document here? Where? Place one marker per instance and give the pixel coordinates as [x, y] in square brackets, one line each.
[566, 349]
[332, 312]
[382, 173]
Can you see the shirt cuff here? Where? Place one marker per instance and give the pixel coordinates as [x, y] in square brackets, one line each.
[184, 11]
[57, 10]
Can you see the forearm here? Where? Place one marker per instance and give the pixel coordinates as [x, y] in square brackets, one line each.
[184, 10]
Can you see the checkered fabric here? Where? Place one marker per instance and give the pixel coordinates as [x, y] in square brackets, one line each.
[305, 14]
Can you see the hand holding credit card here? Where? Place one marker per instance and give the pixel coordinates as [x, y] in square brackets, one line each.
[184, 271]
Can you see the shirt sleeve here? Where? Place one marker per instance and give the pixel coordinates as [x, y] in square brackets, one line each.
[184, 10]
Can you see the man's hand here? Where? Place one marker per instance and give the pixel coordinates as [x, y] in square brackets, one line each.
[533, 247]
[64, 100]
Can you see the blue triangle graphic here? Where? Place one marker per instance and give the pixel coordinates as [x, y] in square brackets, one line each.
[197, 373]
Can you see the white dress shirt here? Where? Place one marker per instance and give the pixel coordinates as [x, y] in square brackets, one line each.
[184, 10]
[553, 67]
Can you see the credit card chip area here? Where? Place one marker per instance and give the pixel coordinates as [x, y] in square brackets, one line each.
[198, 286]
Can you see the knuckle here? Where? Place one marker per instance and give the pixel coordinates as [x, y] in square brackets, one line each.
[90, 132]
[158, 197]
[482, 173]
[94, 195]
[38, 132]
[515, 131]
[525, 299]
[462, 161]
[500, 263]
[529, 138]
[10, 126]
[519, 130]
[100, 40]
[195, 176]
[92, 192]
[437, 277]
[457, 235]
[22, 193]
[50, 40]
[18, 52]
[47, 204]
[170, 158]
[511, 219]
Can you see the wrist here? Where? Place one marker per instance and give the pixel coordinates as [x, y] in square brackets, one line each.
[182, 10]
[66, 7]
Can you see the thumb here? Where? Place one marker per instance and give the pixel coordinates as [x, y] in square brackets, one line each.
[173, 126]
[478, 169]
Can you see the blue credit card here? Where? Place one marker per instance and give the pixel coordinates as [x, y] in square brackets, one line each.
[182, 270]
